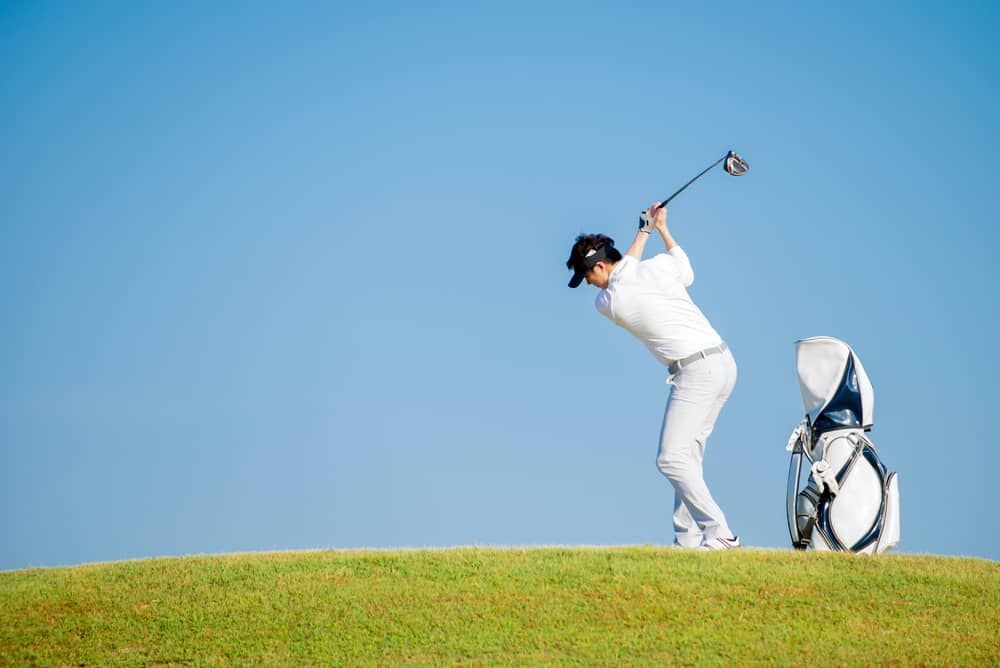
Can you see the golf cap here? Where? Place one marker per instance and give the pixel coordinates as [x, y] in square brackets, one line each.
[593, 257]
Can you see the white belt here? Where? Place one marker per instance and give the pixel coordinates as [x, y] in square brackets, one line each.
[677, 365]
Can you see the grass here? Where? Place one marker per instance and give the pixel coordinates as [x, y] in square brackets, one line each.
[544, 606]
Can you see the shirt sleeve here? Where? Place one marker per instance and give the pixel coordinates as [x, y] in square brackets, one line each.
[682, 265]
[603, 304]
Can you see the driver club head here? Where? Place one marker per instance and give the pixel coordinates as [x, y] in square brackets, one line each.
[735, 165]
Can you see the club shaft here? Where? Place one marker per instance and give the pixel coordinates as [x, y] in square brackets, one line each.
[683, 187]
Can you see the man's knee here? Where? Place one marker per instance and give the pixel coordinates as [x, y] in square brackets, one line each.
[675, 467]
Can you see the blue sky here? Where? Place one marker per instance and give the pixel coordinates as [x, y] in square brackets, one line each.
[293, 278]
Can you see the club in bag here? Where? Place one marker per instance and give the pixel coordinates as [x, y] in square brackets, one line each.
[734, 166]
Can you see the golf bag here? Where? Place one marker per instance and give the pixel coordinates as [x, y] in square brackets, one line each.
[850, 501]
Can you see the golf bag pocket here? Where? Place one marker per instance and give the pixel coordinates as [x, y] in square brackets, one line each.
[890, 529]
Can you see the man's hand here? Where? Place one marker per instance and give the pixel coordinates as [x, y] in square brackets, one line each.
[646, 222]
[655, 217]
[660, 216]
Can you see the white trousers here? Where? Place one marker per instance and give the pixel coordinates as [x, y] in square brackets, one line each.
[698, 394]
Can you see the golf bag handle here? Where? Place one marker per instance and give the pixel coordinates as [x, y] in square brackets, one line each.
[683, 187]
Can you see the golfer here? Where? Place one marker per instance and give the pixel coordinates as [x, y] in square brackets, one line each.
[649, 299]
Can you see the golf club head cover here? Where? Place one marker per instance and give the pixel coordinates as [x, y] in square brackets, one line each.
[646, 222]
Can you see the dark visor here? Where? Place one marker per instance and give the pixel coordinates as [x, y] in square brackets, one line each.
[587, 264]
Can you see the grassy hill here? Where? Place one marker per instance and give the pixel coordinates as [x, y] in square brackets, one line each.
[607, 606]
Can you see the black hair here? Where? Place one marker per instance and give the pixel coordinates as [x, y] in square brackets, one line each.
[588, 242]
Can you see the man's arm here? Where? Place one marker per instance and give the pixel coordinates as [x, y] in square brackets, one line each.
[656, 216]
[635, 250]
[660, 223]
[681, 262]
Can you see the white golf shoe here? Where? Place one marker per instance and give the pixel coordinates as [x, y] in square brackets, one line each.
[721, 543]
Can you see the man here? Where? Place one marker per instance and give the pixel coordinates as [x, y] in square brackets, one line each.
[649, 299]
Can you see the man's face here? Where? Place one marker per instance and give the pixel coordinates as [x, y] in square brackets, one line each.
[598, 275]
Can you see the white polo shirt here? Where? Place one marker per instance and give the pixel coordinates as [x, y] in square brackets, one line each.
[649, 299]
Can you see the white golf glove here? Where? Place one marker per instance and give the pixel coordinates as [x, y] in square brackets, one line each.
[647, 220]
[825, 477]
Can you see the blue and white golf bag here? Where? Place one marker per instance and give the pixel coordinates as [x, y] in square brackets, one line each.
[850, 501]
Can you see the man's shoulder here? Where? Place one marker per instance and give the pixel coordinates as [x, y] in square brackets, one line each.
[658, 263]
[659, 259]
[603, 302]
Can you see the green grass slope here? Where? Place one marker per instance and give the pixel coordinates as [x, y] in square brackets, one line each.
[604, 606]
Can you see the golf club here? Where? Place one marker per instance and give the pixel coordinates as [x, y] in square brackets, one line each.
[735, 166]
